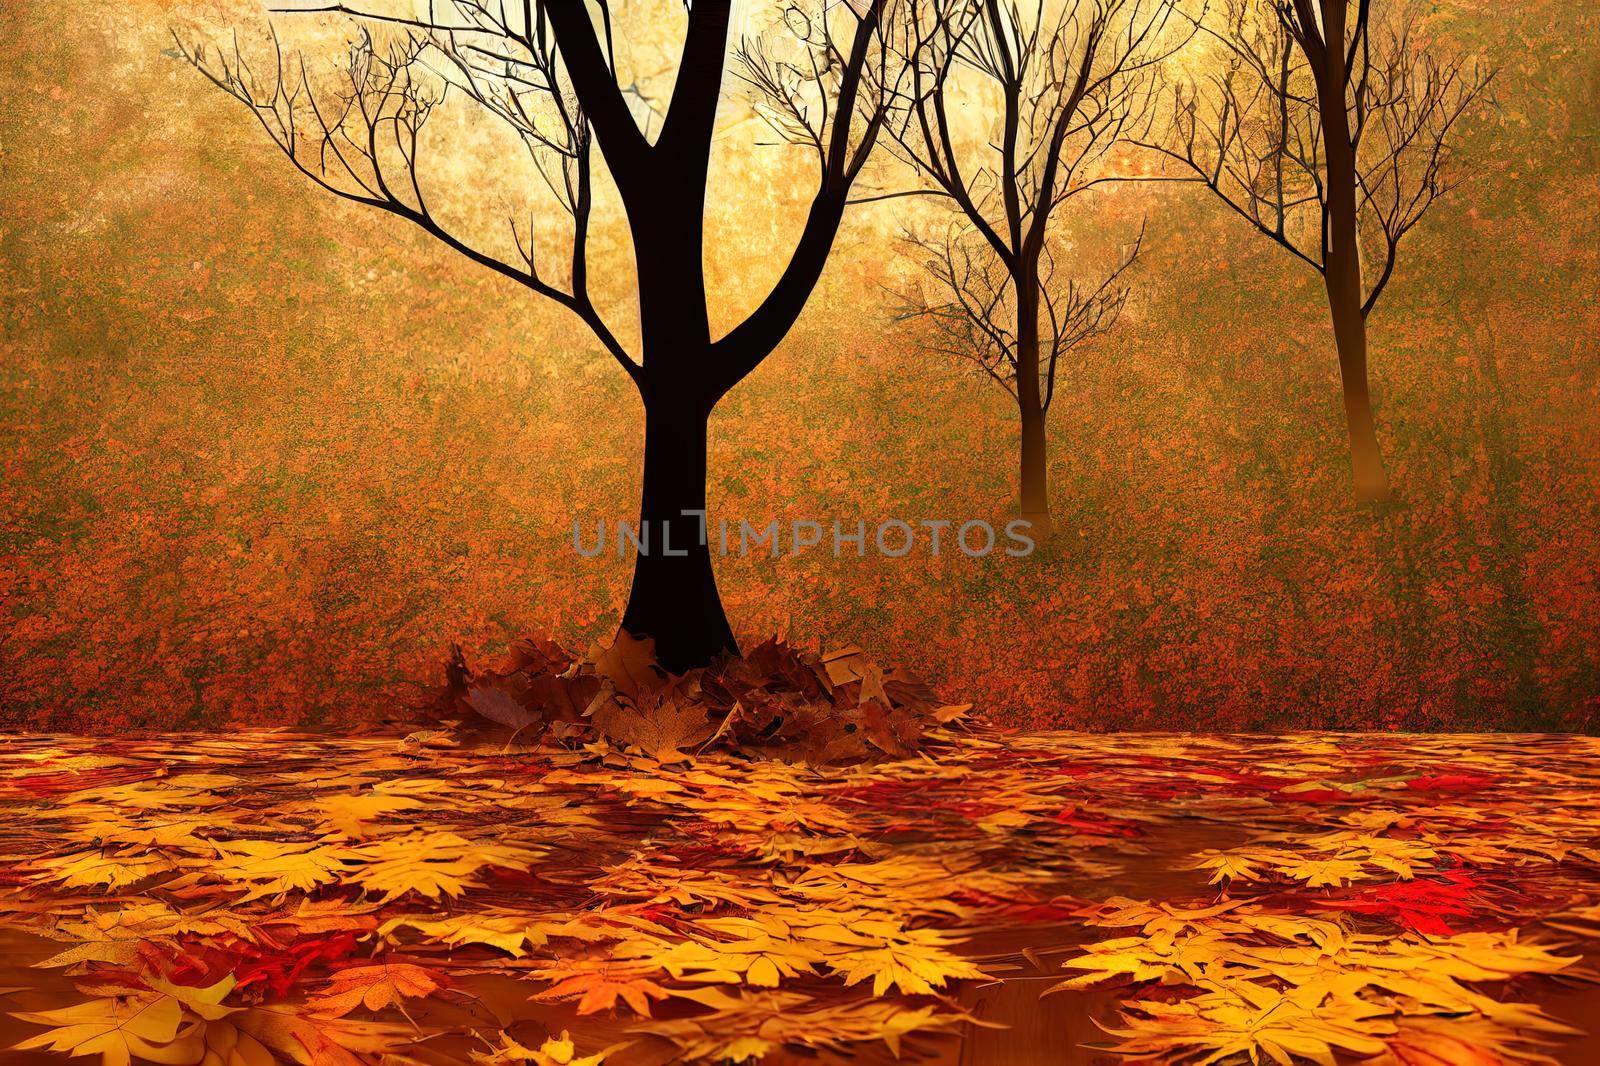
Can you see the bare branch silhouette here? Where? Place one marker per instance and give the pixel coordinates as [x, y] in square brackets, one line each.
[1327, 125]
[1067, 82]
[357, 131]
[547, 71]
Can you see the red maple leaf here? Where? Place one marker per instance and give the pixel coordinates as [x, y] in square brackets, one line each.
[275, 969]
[1421, 906]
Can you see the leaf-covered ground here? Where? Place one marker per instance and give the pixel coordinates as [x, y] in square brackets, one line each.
[267, 898]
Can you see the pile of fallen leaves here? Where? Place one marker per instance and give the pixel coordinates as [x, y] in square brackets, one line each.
[774, 701]
[286, 899]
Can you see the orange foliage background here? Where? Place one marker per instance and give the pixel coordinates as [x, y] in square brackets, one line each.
[266, 454]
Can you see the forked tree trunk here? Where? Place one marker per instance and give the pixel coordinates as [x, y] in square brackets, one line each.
[674, 599]
[1033, 472]
[662, 184]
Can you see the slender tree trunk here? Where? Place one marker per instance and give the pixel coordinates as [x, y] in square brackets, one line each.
[1370, 480]
[1342, 262]
[1034, 475]
[674, 599]
[1033, 485]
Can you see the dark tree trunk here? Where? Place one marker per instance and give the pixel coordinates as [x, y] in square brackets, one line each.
[683, 373]
[674, 599]
[1370, 480]
[1034, 475]
[1342, 260]
[1034, 489]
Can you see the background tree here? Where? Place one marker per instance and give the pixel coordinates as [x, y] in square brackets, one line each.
[548, 71]
[1327, 126]
[1064, 80]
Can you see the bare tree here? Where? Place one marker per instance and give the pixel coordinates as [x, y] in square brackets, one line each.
[546, 69]
[1067, 78]
[976, 319]
[1327, 125]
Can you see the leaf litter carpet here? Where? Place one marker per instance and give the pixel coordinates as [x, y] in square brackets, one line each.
[253, 899]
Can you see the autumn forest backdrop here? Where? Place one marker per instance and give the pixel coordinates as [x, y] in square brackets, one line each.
[266, 455]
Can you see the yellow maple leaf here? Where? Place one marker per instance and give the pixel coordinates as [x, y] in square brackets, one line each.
[274, 868]
[117, 869]
[114, 935]
[760, 960]
[117, 1029]
[432, 864]
[597, 984]
[1322, 873]
[511, 933]
[916, 961]
[353, 815]
[387, 984]
[1228, 865]
[1250, 1020]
